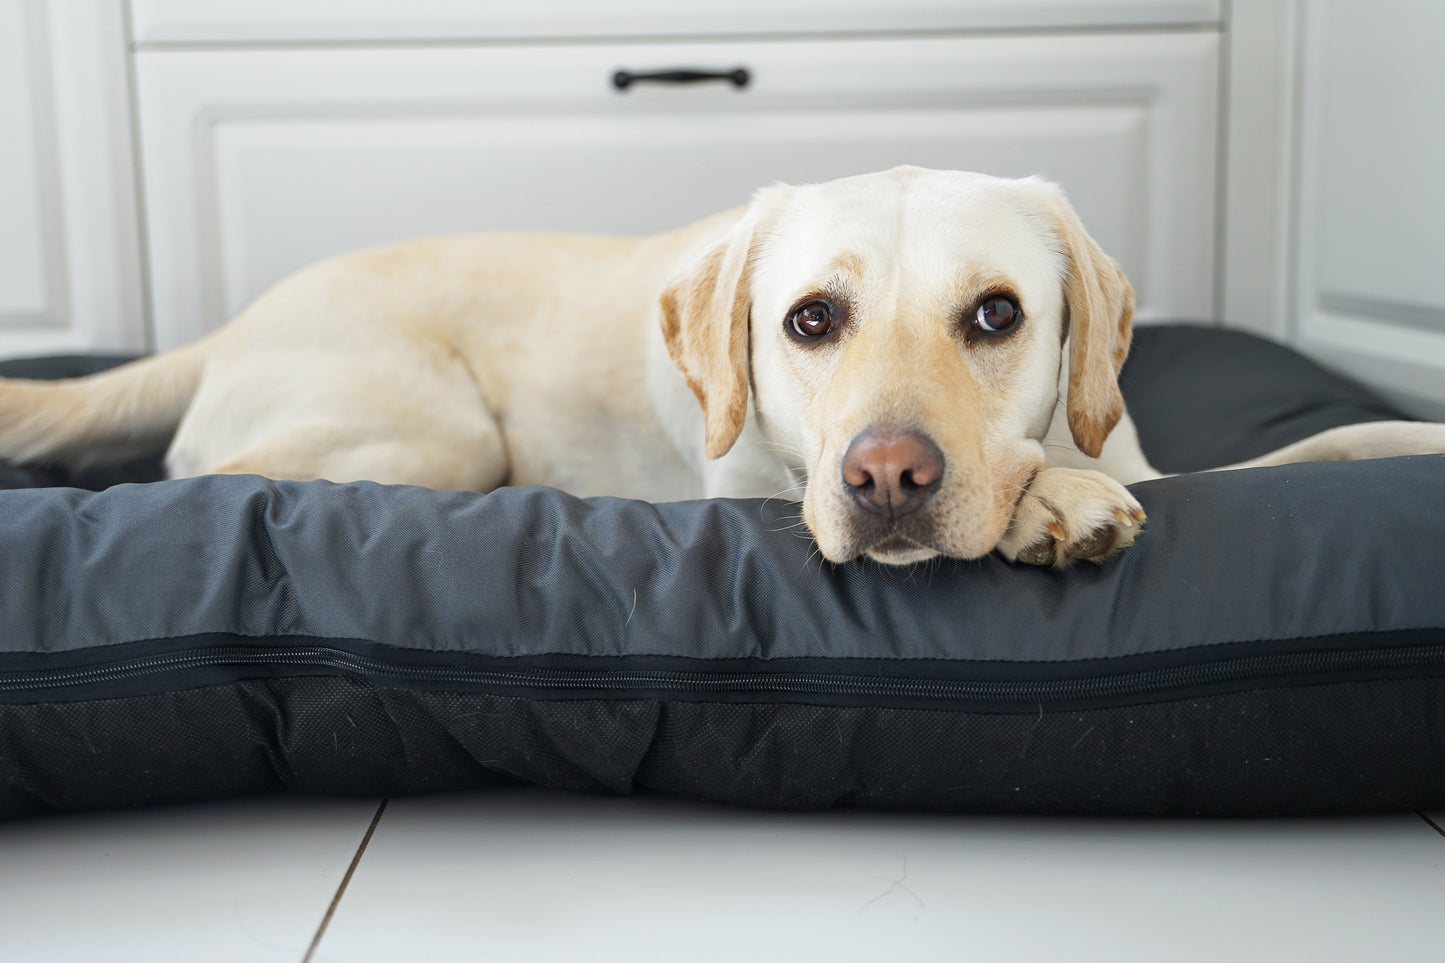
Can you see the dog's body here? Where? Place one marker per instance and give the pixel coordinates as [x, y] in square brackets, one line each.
[928, 358]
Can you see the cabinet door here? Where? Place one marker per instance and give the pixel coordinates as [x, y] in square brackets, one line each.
[70, 274]
[258, 161]
[1370, 292]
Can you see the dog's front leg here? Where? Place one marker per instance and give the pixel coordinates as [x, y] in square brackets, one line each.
[1069, 514]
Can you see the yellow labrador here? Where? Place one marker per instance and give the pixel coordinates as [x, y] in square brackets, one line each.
[928, 359]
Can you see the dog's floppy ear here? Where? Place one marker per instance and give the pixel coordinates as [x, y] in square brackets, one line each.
[704, 316]
[1100, 306]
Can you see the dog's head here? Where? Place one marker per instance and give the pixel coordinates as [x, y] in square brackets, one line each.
[902, 335]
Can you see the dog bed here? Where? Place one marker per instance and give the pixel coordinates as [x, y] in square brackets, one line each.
[1273, 643]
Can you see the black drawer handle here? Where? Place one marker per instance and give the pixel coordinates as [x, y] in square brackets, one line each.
[624, 79]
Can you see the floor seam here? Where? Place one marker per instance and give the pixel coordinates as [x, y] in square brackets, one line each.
[1430, 822]
[345, 881]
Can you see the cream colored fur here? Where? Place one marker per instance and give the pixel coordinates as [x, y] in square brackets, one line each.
[661, 368]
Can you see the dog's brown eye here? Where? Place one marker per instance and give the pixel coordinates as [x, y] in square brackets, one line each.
[996, 314]
[812, 320]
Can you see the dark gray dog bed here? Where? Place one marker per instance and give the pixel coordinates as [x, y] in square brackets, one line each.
[1273, 643]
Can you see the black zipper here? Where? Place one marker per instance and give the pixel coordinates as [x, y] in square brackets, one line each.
[1251, 671]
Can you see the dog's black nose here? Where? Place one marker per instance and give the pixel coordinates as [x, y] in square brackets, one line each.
[892, 473]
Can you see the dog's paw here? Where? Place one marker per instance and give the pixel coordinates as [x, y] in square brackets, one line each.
[1070, 514]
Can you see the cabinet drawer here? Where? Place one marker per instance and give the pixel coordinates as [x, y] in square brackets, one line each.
[385, 21]
[259, 161]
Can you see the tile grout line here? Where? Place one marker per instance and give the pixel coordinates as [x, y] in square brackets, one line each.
[1430, 822]
[345, 881]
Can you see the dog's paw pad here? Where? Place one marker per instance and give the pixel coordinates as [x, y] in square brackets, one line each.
[1097, 545]
[1042, 552]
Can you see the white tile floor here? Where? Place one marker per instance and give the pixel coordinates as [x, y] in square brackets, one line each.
[531, 875]
[244, 880]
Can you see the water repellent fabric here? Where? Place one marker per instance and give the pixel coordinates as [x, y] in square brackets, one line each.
[1294, 566]
[1296, 552]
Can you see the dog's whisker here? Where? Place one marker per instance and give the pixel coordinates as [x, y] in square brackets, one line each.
[785, 495]
[794, 526]
[807, 562]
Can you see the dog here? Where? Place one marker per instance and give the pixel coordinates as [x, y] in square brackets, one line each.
[928, 360]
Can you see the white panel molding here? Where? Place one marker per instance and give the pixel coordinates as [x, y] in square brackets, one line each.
[214, 122]
[1401, 362]
[32, 263]
[83, 183]
[99, 183]
[226, 22]
[489, 171]
[1259, 172]
[1356, 324]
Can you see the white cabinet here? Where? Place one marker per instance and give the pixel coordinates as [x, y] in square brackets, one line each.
[1370, 288]
[70, 277]
[266, 134]
[1305, 203]
[259, 160]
